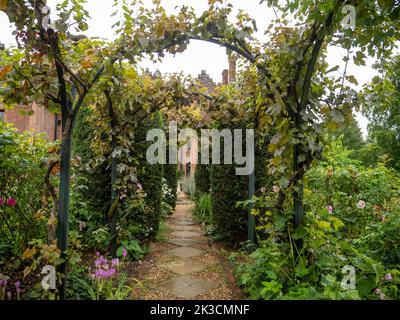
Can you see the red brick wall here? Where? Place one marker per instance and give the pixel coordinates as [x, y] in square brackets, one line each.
[41, 121]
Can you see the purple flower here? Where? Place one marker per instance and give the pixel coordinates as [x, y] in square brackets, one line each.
[388, 277]
[330, 209]
[11, 202]
[361, 204]
[97, 253]
[100, 261]
[115, 262]
[124, 252]
[2, 283]
[18, 287]
[112, 272]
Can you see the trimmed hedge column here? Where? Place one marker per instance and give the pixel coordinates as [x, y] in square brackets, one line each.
[149, 176]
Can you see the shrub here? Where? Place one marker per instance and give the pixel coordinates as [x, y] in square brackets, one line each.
[23, 166]
[202, 177]
[227, 189]
[150, 178]
[171, 183]
[203, 208]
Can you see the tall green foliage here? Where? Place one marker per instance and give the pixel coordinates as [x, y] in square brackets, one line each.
[149, 176]
[202, 177]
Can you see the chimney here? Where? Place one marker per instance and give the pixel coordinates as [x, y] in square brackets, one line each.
[232, 68]
[225, 77]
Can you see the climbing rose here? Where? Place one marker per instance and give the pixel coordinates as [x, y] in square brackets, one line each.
[11, 202]
[330, 209]
[361, 204]
[263, 189]
[388, 277]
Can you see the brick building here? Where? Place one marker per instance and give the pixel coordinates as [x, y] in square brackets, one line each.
[187, 155]
[34, 118]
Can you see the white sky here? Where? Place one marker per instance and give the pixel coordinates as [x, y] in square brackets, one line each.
[199, 55]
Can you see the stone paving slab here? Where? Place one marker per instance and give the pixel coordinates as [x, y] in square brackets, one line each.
[184, 242]
[185, 252]
[187, 287]
[186, 222]
[183, 267]
[185, 234]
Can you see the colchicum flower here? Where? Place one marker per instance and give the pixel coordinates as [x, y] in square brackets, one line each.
[330, 209]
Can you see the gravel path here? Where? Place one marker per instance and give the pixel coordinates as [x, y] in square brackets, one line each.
[186, 264]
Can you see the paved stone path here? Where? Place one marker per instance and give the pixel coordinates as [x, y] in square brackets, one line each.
[185, 265]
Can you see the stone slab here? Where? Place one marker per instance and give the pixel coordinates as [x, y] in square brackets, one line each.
[183, 267]
[183, 242]
[187, 287]
[185, 252]
[185, 234]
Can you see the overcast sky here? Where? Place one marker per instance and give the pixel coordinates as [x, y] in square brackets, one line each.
[199, 55]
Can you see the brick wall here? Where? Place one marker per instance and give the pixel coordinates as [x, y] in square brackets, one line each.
[40, 120]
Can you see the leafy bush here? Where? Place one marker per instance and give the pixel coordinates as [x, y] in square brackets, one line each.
[203, 208]
[352, 218]
[202, 177]
[227, 189]
[150, 179]
[23, 166]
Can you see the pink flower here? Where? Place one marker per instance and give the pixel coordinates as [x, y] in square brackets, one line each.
[330, 209]
[1, 202]
[124, 252]
[378, 291]
[11, 202]
[97, 253]
[139, 186]
[82, 225]
[100, 261]
[18, 287]
[361, 204]
[388, 277]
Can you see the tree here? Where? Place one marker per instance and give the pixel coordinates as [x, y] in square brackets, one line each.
[381, 104]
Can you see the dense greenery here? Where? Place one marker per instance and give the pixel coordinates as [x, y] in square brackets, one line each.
[349, 209]
[114, 200]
